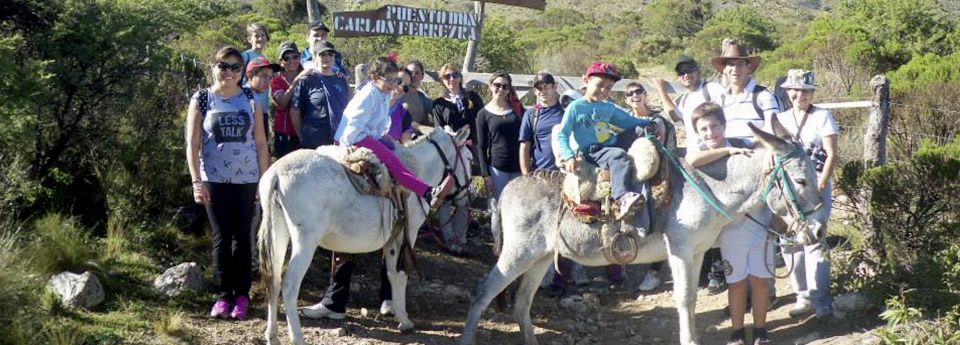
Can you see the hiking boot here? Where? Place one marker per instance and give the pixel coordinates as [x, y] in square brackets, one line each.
[737, 337]
[318, 311]
[650, 282]
[760, 337]
[716, 286]
[221, 309]
[386, 308]
[435, 196]
[627, 201]
[240, 305]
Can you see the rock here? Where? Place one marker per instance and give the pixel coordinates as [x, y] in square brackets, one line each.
[76, 290]
[179, 278]
[457, 291]
[591, 299]
[364, 312]
[573, 303]
[850, 304]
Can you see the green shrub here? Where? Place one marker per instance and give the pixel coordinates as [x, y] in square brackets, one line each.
[18, 290]
[60, 244]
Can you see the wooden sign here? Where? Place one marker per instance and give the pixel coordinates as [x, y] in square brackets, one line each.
[534, 4]
[406, 21]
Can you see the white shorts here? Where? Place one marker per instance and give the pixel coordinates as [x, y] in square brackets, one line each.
[745, 251]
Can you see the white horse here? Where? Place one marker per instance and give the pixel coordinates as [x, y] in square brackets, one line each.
[308, 201]
[530, 213]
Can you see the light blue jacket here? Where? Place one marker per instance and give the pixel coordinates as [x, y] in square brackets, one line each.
[590, 123]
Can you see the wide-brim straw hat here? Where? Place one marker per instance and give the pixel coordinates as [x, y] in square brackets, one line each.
[735, 51]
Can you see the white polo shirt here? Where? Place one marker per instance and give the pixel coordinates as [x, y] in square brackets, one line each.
[739, 110]
[820, 123]
[689, 101]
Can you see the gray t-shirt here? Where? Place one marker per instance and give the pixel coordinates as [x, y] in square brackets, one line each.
[228, 153]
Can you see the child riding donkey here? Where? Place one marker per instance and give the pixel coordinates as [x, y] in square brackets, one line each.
[603, 132]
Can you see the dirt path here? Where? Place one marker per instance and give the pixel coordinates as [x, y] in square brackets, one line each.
[439, 300]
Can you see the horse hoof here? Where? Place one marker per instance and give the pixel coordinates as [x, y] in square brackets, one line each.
[274, 340]
[406, 327]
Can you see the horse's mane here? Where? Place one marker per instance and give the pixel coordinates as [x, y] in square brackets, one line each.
[429, 135]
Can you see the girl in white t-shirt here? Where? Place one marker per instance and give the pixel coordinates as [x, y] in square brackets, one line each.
[817, 131]
[747, 255]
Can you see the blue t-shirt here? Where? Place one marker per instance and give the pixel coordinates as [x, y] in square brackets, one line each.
[321, 100]
[592, 123]
[540, 137]
[228, 153]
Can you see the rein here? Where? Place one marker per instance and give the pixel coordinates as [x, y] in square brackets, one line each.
[777, 174]
[451, 170]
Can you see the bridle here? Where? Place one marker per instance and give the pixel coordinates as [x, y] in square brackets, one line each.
[779, 177]
[451, 169]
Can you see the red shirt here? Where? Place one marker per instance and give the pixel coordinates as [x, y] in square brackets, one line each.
[281, 117]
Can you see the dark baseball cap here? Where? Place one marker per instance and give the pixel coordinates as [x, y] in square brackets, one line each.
[318, 25]
[684, 59]
[543, 78]
[323, 46]
[287, 46]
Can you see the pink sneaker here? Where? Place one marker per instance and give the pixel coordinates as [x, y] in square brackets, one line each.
[240, 308]
[220, 309]
[439, 193]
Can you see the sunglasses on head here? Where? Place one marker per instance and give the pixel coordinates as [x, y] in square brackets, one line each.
[452, 76]
[392, 80]
[289, 57]
[499, 86]
[635, 92]
[223, 66]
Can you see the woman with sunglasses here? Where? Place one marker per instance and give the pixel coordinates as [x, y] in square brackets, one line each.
[226, 155]
[498, 136]
[285, 138]
[456, 107]
[319, 100]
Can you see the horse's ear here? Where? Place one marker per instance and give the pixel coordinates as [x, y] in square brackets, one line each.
[778, 129]
[770, 141]
[462, 135]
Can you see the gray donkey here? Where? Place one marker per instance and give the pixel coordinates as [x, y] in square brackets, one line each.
[532, 233]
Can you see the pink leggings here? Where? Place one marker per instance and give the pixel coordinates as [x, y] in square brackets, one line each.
[403, 176]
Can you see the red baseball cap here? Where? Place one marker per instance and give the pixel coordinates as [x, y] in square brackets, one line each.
[259, 62]
[605, 69]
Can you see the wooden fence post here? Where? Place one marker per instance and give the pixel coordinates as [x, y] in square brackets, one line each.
[470, 57]
[875, 154]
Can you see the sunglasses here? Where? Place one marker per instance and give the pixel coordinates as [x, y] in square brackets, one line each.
[686, 70]
[223, 66]
[452, 76]
[635, 92]
[393, 80]
[499, 86]
[289, 57]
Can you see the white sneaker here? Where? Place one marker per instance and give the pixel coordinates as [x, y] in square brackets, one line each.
[318, 311]
[650, 282]
[802, 307]
[386, 308]
[627, 201]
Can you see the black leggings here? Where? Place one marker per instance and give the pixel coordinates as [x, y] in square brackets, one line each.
[230, 212]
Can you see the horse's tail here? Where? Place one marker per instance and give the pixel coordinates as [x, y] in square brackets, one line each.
[270, 203]
[496, 226]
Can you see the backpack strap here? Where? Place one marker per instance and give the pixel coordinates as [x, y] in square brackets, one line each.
[756, 105]
[706, 92]
[533, 124]
[202, 100]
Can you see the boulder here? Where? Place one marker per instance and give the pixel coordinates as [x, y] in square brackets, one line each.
[851, 305]
[182, 277]
[76, 290]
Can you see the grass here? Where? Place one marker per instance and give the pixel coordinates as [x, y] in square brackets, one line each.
[126, 261]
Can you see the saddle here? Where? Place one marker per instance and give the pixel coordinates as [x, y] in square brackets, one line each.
[587, 192]
[364, 170]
